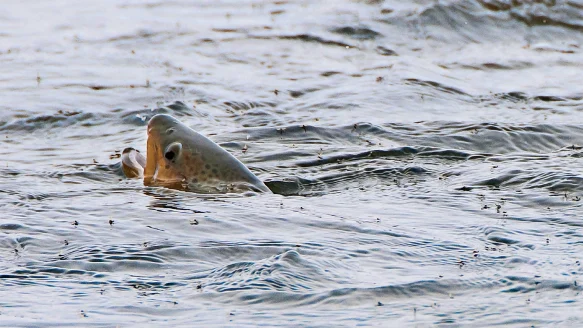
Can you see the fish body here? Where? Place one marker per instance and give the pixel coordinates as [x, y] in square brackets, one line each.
[178, 157]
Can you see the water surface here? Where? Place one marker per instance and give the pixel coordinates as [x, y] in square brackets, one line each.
[424, 156]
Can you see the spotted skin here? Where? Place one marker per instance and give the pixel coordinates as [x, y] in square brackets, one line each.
[180, 158]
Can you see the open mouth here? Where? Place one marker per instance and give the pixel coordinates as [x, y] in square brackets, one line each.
[159, 172]
[152, 151]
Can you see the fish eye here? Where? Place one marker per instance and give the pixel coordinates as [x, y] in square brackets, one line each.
[170, 131]
[172, 152]
[169, 155]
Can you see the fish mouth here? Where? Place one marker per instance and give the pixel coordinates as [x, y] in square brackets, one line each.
[158, 172]
[152, 151]
[151, 128]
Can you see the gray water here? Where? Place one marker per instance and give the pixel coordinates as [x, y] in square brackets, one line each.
[424, 157]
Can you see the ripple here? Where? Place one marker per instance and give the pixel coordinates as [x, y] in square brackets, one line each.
[315, 39]
[428, 175]
[47, 122]
[358, 32]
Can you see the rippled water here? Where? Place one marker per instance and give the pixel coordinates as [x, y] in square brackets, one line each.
[424, 156]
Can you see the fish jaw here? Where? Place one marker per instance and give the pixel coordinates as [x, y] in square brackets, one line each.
[158, 171]
[151, 161]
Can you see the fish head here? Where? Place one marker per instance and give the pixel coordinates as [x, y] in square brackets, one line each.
[167, 138]
[180, 158]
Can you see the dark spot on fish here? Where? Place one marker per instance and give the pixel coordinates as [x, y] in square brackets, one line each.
[194, 180]
[215, 171]
[166, 166]
[203, 172]
[207, 166]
